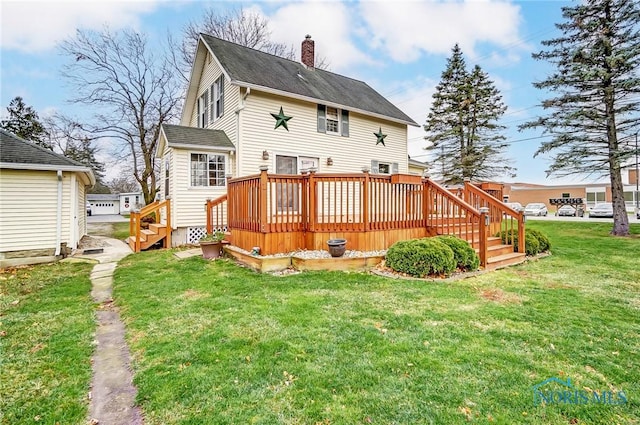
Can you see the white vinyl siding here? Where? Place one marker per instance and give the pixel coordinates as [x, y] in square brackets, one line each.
[28, 209]
[231, 100]
[187, 203]
[349, 154]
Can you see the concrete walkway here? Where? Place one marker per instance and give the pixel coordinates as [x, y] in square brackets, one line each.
[112, 391]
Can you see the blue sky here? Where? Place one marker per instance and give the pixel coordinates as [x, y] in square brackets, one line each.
[398, 47]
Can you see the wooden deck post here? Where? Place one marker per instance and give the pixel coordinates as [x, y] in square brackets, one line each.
[521, 233]
[167, 240]
[365, 200]
[304, 192]
[207, 209]
[426, 201]
[264, 182]
[484, 224]
[313, 201]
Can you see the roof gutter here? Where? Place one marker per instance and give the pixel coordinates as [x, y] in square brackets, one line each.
[46, 167]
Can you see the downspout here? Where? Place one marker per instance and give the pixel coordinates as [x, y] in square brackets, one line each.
[237, 111]
[59, 215]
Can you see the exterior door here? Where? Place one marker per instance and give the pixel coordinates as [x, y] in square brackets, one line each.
[287, 193]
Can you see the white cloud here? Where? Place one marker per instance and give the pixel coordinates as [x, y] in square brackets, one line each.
[37, 26]
[405, 30]
[331, 24]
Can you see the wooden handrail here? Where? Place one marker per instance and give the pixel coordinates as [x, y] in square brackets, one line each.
[499, 212]
[135, 221]
[209, 206]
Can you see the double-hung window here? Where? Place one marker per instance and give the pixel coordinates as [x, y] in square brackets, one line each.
[382, 167]
[217, 98]
[203, 110]
[207, 169]
[333, 120]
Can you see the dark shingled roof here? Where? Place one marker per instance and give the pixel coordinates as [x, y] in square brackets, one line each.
[192, 136]
[245, 65]
[14, 150]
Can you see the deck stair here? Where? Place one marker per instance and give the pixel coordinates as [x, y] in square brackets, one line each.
[140, 238]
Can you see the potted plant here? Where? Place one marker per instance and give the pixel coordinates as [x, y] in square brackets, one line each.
[211, 244]
[337, 247]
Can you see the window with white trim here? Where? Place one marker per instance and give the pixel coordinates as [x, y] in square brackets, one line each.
[208, 170]
[333, 125]
[381, 167]
[333, 120]
[203, 109]
[217, 98]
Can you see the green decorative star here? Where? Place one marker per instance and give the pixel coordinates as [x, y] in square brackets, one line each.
[380, 137]
[281, 120]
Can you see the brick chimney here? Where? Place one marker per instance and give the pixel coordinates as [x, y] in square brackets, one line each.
[308, 51]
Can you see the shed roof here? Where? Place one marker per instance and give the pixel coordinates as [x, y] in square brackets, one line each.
[183, 136]
[17, 153]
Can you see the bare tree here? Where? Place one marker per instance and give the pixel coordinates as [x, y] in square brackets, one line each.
[240, 26]
[67, 137]
[130, 91]
[123, 184]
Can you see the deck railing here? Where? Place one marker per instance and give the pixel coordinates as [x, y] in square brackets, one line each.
[501, 217]
[360, 202]
[451, 215]
[341, 203]
[217, 214]
[161, 212]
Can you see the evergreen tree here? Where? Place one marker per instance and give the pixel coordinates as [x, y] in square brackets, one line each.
[462, 124]
[593, 94]
[67, 137]
[23, 121]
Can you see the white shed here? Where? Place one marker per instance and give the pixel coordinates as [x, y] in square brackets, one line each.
[42, 202]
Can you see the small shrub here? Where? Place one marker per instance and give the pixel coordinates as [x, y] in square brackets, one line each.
[532, 245]
[463, 253]
[421, 257]
[543, 240]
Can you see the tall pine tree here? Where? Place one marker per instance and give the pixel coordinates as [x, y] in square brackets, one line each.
[23, 121]
[593, 94]
[462, 125]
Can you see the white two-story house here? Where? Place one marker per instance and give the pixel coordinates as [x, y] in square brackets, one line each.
[245, 109]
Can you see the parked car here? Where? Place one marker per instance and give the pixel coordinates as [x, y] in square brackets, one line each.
[536, 208]
[568, 210]
[88, 208]
[602, 210]
[517, 206]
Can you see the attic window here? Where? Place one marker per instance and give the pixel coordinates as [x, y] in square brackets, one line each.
[333, 125]
[217, 98]
[333, 120]
[203, 109]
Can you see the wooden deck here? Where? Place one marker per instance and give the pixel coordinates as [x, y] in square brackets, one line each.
[283, 213]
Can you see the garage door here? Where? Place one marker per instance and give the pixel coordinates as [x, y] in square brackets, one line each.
[105, 207]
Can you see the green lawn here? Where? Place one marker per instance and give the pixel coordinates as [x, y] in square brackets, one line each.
[46, 334]
[216, 343]
[118, 230]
